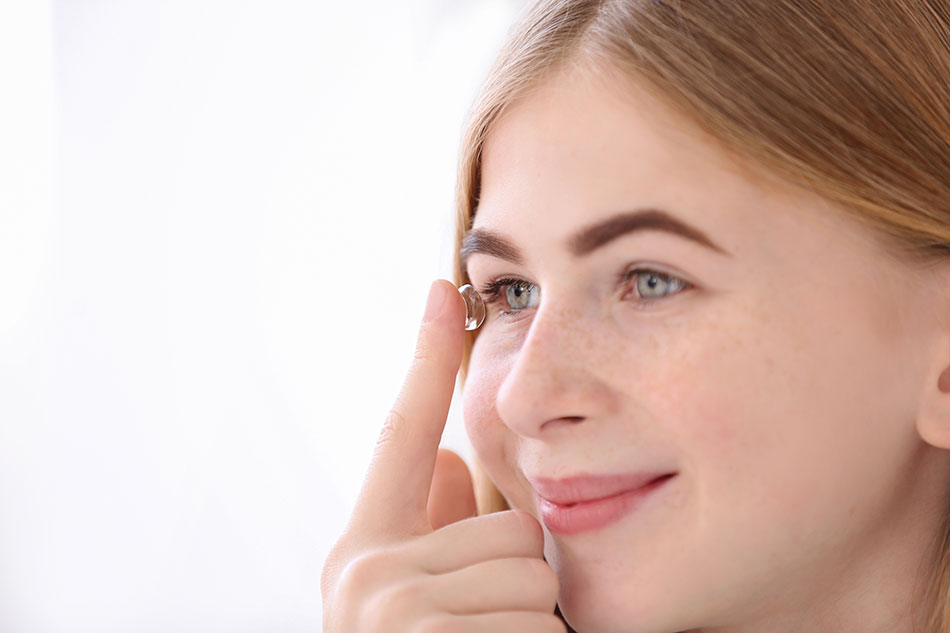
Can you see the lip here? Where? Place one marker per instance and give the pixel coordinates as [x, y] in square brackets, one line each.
[587, 502]
[588, 487]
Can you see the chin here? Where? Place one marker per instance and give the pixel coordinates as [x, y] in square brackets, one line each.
[600, 594]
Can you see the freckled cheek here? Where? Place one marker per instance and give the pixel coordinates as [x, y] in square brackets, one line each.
[700, 391]
[728, 398]
[712, 423]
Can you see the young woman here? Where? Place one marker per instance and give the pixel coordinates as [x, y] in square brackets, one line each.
[712, 392]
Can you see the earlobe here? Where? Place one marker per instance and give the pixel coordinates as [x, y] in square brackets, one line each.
[933, 415]
[943, 384]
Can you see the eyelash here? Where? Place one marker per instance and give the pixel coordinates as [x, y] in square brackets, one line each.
[491, 292]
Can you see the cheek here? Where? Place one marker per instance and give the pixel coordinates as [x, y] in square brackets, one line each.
[735, 393]
[482, 424]
[725, 392]
[771, 405]
[696, 389]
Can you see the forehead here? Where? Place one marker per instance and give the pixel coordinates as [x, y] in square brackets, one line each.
[581, 147]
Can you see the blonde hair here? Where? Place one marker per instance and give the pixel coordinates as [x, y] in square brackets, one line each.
[848, 98]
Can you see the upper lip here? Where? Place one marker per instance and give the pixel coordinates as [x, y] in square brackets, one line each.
[579, 488]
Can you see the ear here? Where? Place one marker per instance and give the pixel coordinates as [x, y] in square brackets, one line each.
[933, 414]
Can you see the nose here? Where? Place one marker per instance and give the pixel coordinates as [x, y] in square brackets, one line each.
[554, 381]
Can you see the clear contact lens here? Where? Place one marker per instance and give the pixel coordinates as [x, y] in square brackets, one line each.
[474, 307]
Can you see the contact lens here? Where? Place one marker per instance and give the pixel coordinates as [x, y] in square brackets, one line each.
[474, 307]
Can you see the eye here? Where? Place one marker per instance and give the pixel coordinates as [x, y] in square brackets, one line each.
[511, 293]
[653, 285]
[522, 295]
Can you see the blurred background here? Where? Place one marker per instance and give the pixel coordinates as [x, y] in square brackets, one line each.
[218, 224]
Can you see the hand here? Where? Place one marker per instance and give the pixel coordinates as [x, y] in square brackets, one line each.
[452, 494]
[395, 569]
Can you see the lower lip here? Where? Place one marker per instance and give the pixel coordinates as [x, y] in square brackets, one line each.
[596, 513]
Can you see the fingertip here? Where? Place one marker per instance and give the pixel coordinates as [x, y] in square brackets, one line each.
[445, 307]
[451, 496]
[447, 458]
[442, 336]
[435, 301]
[453, 307]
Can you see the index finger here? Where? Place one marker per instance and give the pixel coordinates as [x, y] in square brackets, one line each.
[395, 490]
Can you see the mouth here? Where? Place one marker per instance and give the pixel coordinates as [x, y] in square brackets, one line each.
[585, 503]
[583, 487]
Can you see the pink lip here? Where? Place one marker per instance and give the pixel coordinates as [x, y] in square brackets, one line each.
[588, 487]
[586, 502]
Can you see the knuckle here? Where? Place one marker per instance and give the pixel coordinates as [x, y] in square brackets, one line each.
[374, 591]
[329, 573]
[408, 592]
[431, 353]
[380, 596]
[365, 571]
[426, 348]
[389, 434]
[423, 352]
[399, 602]
[334, 565]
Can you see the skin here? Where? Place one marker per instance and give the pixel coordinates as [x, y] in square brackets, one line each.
[793, 388]
[412, 556]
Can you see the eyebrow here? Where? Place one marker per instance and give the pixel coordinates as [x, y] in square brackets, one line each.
[590, 238]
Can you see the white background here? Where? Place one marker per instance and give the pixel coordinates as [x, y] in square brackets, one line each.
[218, 224]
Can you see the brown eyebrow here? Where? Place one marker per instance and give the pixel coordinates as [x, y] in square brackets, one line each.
[592, 237]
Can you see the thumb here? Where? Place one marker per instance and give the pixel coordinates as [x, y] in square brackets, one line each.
[452, 495]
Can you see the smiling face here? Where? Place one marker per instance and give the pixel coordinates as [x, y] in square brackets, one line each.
[774, 368]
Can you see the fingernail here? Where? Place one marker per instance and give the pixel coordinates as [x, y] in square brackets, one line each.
[437, 295]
